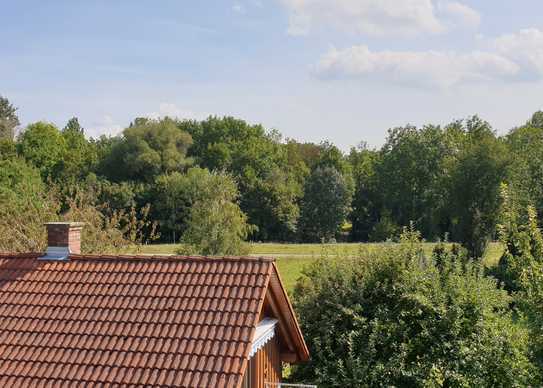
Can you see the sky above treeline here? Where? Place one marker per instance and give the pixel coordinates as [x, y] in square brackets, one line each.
[342, 70]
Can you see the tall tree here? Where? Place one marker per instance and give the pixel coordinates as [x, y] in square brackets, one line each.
[478, 170]
[174, 194]
[8, 119]
[410, 177]
[216, 225]
[81, 155]
[366, 199]
[325, 205]
[270, 187]
[536, 120]
[525, 172]
[43, 145]
[147, 149]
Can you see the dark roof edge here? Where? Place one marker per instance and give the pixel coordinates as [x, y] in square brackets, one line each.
[19, 255]
[289, 315]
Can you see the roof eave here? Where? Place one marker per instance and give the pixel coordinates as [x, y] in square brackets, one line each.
[288, 316]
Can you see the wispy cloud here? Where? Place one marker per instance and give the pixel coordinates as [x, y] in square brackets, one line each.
[105, 125]
[457, 14]
[524, 47]
[378, 17]
[168, 109]
[419, 68]
[511, 57]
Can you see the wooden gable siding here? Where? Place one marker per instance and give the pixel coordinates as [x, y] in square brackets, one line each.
[264, 367]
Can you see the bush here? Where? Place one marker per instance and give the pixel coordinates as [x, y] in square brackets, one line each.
[106, 230]
[385, 229]
[521, 266]
[216, 225]
[25, 205]
[522, 240]
[394, 318]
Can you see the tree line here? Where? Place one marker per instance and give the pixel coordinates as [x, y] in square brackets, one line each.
[444, 179]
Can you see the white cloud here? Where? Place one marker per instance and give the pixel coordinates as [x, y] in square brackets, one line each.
[167, 109]
[243, 6]
[104, 126]
[426, 68]
[377, 17]
[524, 47]
[459, 13]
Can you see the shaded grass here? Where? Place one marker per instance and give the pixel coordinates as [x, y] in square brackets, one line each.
[292, 258]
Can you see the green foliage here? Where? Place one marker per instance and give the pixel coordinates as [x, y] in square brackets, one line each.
[394, 318]
[331, 156]
[532, 304]
[216, 225]
[25, 205]
[521, 265]
[270, 186]
[81, 155]
[174, 195]
[109, 155]
[147, 149]
[410, 177]
[106, 230]
[537, 120]
[366, 201]
[43, 145]
[325, 205]
[444, 258]
[303, 155]
[478, 169]
[525, 173]
[8, 119]
[522, 241]
[385, 229]
[8, 149]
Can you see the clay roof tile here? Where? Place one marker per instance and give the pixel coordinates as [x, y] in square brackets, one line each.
[127, 320]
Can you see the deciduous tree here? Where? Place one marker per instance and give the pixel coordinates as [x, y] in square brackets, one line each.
[42, 145]
[8, 119]
[325, 205]
[216, 225]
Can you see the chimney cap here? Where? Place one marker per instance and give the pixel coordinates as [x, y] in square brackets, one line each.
[68, 223]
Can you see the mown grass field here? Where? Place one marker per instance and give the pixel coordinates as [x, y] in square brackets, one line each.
[291, 258]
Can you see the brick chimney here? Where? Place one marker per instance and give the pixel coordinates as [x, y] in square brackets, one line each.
[63, 239]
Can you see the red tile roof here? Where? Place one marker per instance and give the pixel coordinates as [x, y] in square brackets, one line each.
[138, 321]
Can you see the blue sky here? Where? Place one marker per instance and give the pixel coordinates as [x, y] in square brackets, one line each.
[343, 70]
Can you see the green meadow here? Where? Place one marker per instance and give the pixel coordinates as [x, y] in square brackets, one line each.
[291, 258]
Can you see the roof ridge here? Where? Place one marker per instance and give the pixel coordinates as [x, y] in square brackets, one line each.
[140, 257]
[107, 257]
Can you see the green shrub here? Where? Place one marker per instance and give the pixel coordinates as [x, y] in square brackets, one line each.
[394, 318]
[521, 266]
[522, 241]
[216, 225]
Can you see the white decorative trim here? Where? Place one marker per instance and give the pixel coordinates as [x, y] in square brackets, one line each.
[265, 331]
[56, 253]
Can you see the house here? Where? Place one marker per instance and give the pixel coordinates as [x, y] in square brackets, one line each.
[68, 319]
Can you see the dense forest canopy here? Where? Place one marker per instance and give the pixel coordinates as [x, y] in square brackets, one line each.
[443, 179]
